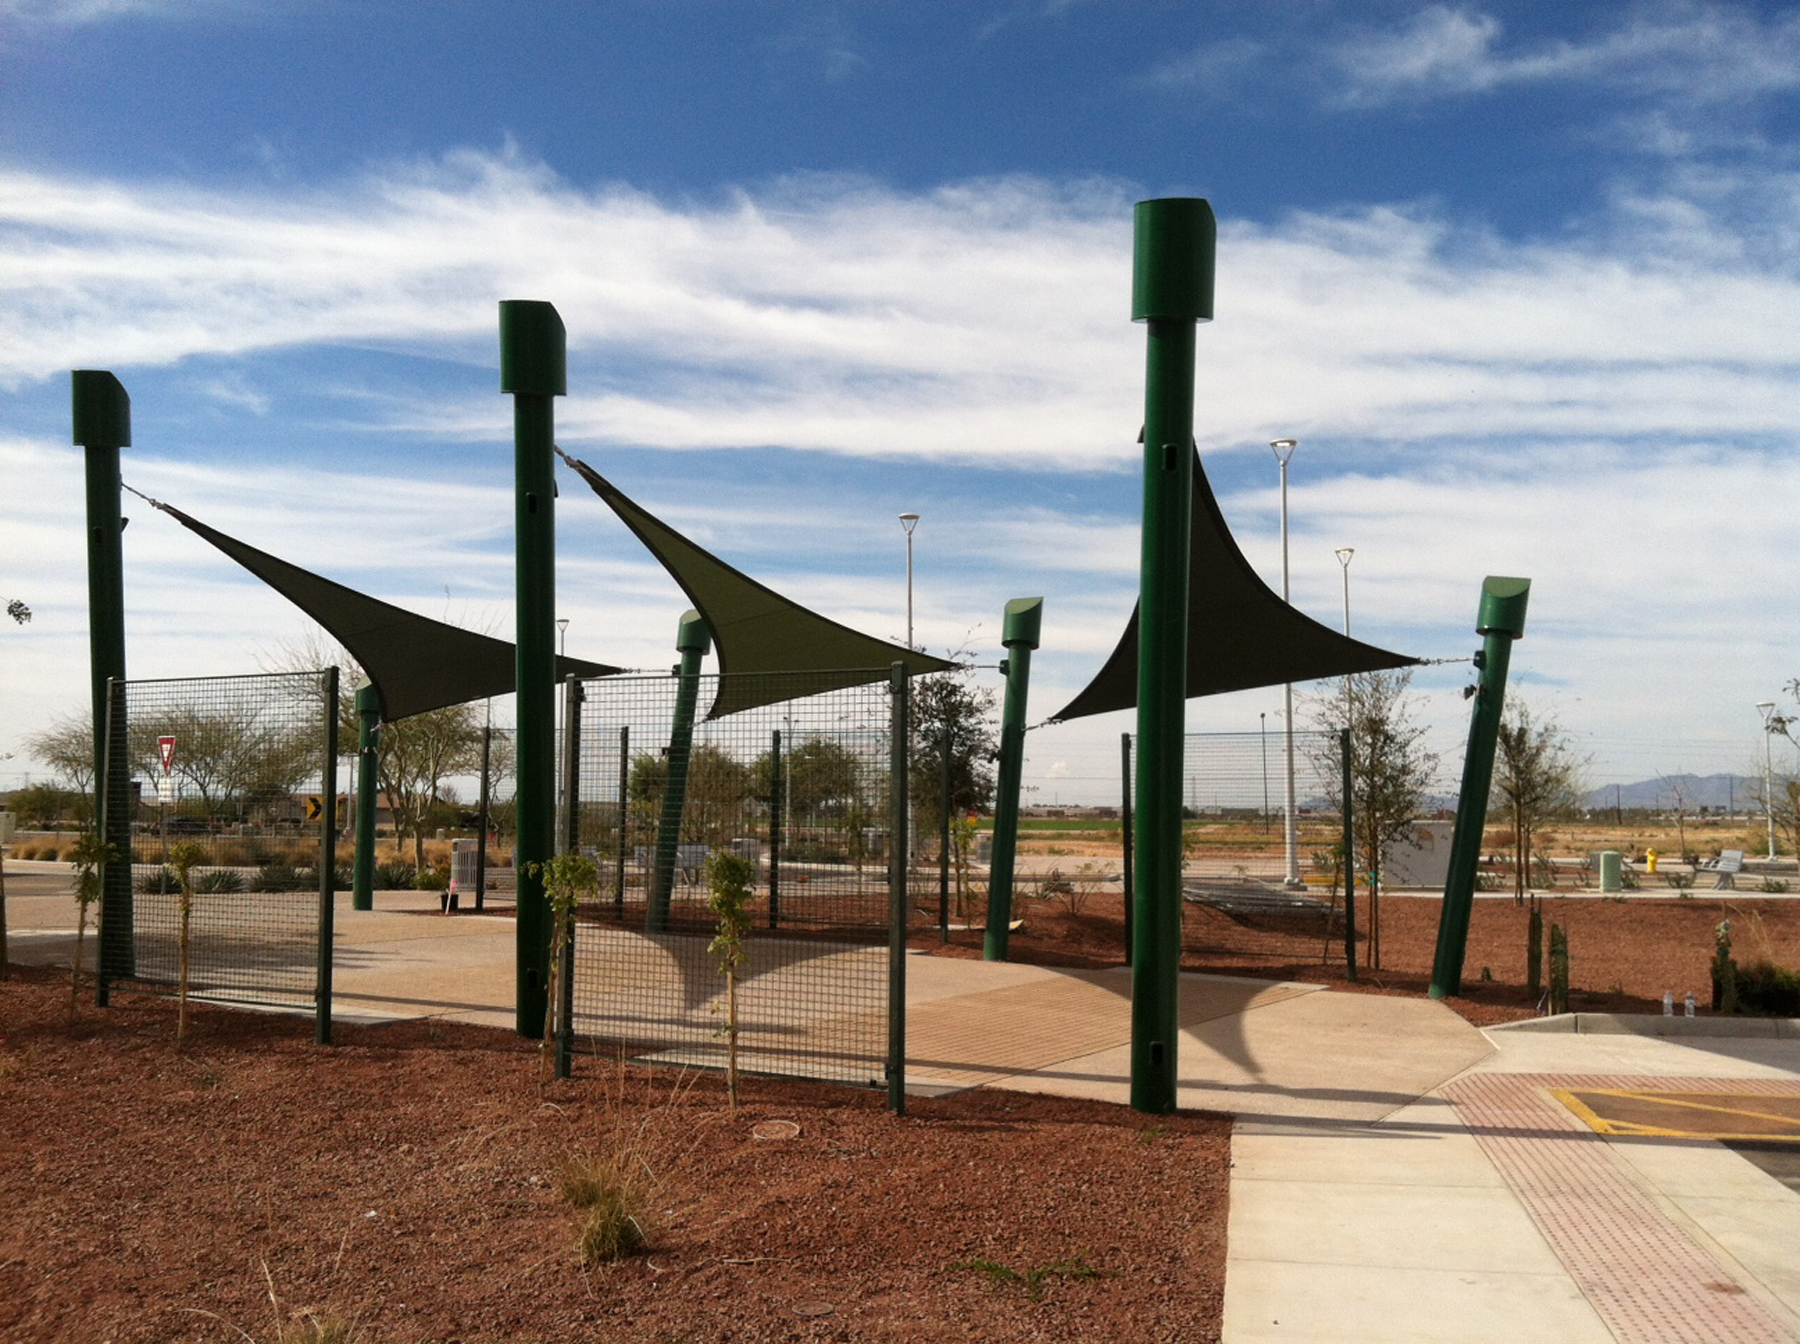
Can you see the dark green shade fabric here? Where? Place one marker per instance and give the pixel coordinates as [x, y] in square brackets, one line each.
[757, 629]
[1240, 634]
[416, 663]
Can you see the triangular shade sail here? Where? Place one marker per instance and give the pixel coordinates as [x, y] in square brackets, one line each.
[755, 629]
[416, 663]
[1240, 634]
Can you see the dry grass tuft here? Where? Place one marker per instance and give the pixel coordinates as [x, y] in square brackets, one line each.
[612, 1194]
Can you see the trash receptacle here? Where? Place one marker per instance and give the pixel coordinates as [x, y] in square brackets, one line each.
[1610, 869]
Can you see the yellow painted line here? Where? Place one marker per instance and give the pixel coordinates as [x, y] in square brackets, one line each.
[1636, 1129]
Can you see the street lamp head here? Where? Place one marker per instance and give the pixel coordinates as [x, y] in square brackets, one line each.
[562, 624]
[1767, 709]
[909, 521]
[1284, 449]
[1344, 553]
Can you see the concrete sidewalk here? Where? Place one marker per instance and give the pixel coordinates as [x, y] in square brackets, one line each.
[1399, 1176]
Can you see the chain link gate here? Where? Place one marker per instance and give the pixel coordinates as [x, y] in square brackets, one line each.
[245, 770]
[811, 791]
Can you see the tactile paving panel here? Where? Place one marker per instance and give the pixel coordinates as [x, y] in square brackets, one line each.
[1647, 1279]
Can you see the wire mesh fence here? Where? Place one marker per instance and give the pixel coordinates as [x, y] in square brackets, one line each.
[803, 791]
[236, 776]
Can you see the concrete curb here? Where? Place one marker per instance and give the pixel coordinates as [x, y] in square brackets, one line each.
[1654, 1024]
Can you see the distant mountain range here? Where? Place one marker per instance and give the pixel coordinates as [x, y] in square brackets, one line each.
[1715, 793]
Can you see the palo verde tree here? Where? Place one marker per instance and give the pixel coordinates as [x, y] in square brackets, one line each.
[67, 747]
[1391, 771]
[1537, 777]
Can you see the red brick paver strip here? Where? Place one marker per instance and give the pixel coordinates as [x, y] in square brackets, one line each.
[1647, 1279]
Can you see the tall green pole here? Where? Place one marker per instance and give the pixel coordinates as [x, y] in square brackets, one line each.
[1019, 633]
[1172, 289]
[1500, 622]
[102, 425]
[691, 641]
[534, 369]
[368, 773]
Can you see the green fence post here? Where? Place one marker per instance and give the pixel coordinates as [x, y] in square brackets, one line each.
[534, 370]
[101, 415]
[1500, 622]
[1127, 872]
[1172, 289]
[776, 795]
[899, 811]
[328, 784]
[1349, 843]
[368, 779]
[1023, 623]
[482, 811]
[692, 641]
[624, 824]
[570, 844]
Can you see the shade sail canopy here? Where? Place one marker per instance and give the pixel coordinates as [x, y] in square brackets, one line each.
[756, 629]
[415, 663]
[1240, 634]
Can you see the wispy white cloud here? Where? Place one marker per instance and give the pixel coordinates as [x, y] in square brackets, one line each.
[1699, 54]
[980, 322]
[74, 13]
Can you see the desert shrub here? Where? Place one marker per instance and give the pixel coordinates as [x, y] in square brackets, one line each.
[48, 853]
[612, 1196]
[279, 877]
[156, 881]
[1764, 987]
[1682, 882]
[218, 881]
[432, 879]
[1773, 886]
[394, 875]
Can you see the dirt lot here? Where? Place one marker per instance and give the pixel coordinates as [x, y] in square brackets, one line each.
[404, 1183]
[1623, 954]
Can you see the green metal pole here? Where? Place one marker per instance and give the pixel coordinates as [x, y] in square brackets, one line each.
[368, 779]
[692, 641]
[1500, 622]
[328, 782]
[534, 369]
[776, 794]
[899, 811]
[1172, 289]
[1019, 633]
[1349, 866]
[101, 412]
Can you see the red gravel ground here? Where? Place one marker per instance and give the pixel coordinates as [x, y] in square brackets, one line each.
[1623, 954]
[405, 1184]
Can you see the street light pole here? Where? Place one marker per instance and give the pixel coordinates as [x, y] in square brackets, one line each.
[1262, 717]
[1767, 707]
[1343, 554]
[1284, 449]
[909, 521]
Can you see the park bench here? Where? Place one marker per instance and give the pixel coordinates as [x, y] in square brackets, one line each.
[1728, 865]
[1249, 903]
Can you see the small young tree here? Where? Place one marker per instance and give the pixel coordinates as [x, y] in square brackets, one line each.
[1537, 776]
[1391, 771]
[183, 858]
[949, 706]
[567, 879]
[87, 857]
[728, 875]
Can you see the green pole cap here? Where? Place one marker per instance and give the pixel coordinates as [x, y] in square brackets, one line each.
[1024, 621]
[1503, 606]
[534, 349]
[692, 636]
[102, 410]
[1172, 264]
[368, 700]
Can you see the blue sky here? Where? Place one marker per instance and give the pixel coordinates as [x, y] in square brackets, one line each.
[1521, 278]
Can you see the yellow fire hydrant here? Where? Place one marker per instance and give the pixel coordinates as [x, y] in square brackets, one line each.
[1650, 857]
